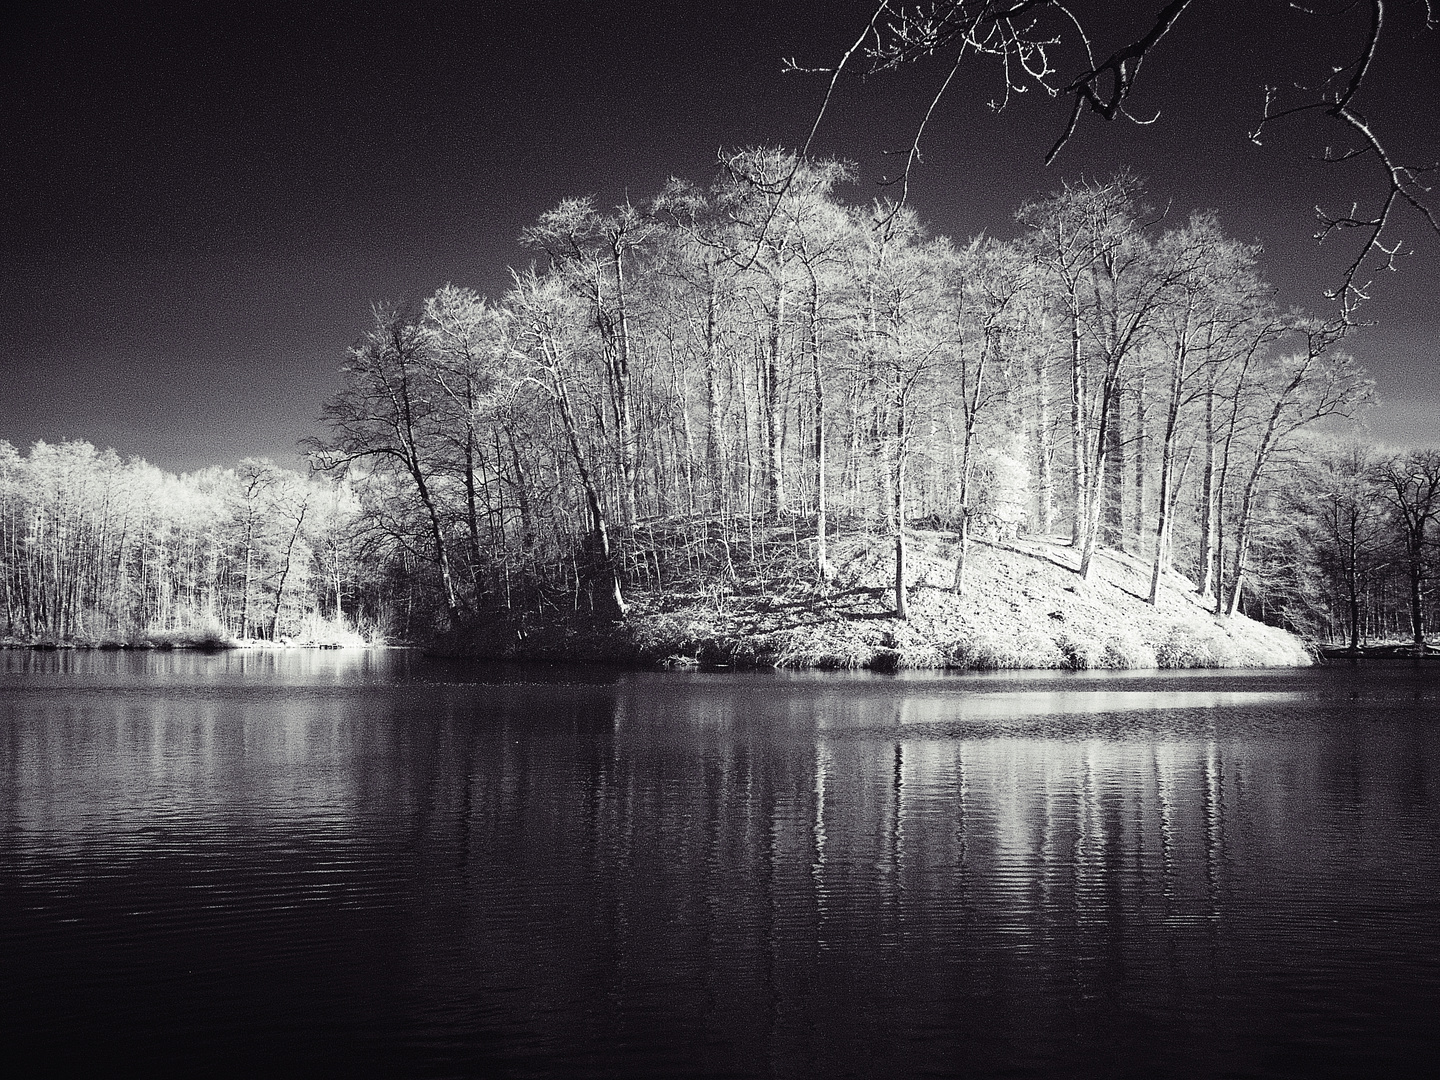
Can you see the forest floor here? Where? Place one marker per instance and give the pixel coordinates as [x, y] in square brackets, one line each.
[1025, 606]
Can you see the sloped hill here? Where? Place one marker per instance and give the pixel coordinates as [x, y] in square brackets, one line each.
[1025, 606]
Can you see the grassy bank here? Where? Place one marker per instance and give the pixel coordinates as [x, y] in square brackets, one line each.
[205, 635]
[1025, 607]
[207, 639]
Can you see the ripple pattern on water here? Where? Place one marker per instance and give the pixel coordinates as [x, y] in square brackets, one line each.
[401, 868]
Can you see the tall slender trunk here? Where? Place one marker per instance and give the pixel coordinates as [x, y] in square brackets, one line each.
[1236, 584]
[1352, 582]
[713, 468]
[285, 573]
[1167, 465]
[1112, 472]
[437, 538]
[1140, 502]
[404, 427]
[1244, 520]
[902, 605]
[626, 421]
[971, 402]
[1415, 549]
[600, 531]
[1044, 446]
[245, 595]
[522, 492]
[687, 438]
[1209, 503]
[774, 427]
[471, 519]
[1080, 455]
[1097, 470]
[818, 382]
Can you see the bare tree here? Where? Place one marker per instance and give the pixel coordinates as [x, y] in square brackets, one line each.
[1215, 303]
[1347, 521]
[1411, 485]
[256, 479]
[1091, 237]
[767, 196]
[290, 502]
[1051, 46]
[1280, 397]
[992, 279]
[386, 412]
[898, 341]
[545, 341]
[462, 360]
[593, 252]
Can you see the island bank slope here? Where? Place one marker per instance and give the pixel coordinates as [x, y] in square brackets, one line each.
[1024, 606]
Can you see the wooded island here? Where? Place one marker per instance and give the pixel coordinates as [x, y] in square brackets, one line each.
[691, 417]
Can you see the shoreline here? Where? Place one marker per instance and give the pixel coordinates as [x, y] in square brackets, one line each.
[204, 647]
[710, 656]
[1025, 608]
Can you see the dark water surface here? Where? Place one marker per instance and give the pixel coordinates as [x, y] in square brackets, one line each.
[371, 864]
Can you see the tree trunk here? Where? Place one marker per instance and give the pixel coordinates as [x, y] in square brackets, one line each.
[1209, 503]
[245, 596]
[285, 573]
[1139, 503]
[522, 493]
[1112, 496]
[1352, 582]
[1416, 552]
[1098, 471]
[600, 531]
[1044, 449]
[437, 537]
[774, 428]
[713, 467]
[1080, 454]
[622, 395]
[821, 525]
[471, 520]
[971, 401]
[902, 606]
[1167, 466]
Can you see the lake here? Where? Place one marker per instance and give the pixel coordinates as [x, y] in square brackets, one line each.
[374, 864]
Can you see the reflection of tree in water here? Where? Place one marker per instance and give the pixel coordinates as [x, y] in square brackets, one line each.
[693, 874]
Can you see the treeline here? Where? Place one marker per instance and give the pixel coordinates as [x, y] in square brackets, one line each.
[714, 385]
[758, 358]
[1353, 551]
[93, 548]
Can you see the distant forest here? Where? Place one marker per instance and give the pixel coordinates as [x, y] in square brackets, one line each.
[672, 387]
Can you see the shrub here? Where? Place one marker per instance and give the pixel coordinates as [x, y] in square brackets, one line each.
[1078, 653]
[1196, 647]
[200, 634]
[981, 650]
[1124, 649]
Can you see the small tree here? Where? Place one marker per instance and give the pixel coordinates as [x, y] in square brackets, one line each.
[1278, 398]
[386, 414]
[1344, 521]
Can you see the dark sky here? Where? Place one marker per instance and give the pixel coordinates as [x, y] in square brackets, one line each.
[197, 206]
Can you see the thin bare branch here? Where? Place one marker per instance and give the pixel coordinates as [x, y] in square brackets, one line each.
[1027, 38]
